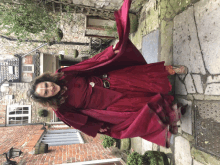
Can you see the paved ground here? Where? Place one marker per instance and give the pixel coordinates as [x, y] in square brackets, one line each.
[186, 32]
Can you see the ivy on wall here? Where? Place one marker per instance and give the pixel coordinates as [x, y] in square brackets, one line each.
[26, 18]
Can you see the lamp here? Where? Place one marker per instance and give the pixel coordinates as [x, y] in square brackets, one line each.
[12, 153]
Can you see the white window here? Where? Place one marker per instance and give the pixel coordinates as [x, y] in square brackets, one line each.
[62, 137]
[56, 119]
[11, 69]
[28, 68]
[18, 114]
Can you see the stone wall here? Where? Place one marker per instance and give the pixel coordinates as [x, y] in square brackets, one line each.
[111, 4]
[106, 4]
[73, 27]
[19, 90]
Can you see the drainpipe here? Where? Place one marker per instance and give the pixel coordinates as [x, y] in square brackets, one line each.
[21, 124]
[61, 43]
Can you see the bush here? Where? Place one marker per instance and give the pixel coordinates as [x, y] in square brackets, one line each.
[43, 113]
[135, 159]
[149, 158]
[107, 141]
[155, 157]
[125, 144]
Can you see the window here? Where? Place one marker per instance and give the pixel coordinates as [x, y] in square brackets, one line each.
[62, 137]
[18, 114]
[28, 68]
[56, 119]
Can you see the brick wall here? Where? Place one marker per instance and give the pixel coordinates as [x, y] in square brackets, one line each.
[28, 59]
[25, 137]
[21, 137]
[91, 150]
[2, 114]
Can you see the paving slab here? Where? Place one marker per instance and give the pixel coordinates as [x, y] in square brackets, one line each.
[166, 150]
[198, 83]
[212, 89]
[204, 158]
[189, 84]
[207, 16]
[182, 151]
[166, 42]
[195, 162]
[213, 79]
[207, 97]
[180, 88]
[150, 46]
[186, 120]
[199, 96]
[186, 49]
[190, 97]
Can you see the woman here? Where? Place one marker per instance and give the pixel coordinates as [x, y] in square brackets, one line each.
[114, 93]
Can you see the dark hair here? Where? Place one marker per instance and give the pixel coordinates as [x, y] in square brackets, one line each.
[54, 101]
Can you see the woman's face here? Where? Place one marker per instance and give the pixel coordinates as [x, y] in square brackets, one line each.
[47, 89]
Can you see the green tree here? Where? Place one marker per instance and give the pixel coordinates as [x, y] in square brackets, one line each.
[25, 18]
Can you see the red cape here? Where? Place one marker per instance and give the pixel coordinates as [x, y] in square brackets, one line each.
[104, 62]
[101, 63]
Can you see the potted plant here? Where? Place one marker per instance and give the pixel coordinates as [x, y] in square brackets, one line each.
[125, 144]
[43, 113]
[108, 141]
[149, 158]
[135, 159]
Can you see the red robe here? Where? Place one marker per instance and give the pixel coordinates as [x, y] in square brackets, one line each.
[137, 103]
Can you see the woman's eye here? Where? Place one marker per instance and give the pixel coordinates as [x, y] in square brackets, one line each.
[46, 85]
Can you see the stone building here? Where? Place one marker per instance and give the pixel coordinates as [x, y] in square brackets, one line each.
[22, 128]
[20, 125]
[18, 68]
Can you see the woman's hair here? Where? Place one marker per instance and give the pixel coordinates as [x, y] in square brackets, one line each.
[54, 101]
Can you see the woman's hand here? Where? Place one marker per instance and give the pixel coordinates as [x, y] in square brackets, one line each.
[116, 51]
[103, 129]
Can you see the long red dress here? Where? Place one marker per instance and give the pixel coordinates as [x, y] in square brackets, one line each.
[137, 103]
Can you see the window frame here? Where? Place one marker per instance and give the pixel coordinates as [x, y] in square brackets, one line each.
[32, 65]
[18, 115]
